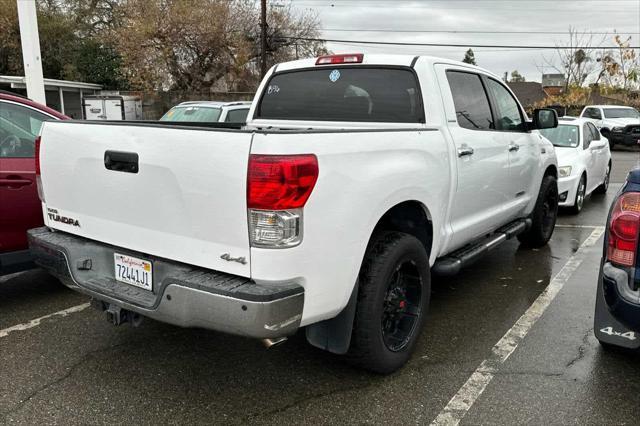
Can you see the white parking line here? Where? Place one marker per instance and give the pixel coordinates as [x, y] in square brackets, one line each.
[36, 322]
[464, 399]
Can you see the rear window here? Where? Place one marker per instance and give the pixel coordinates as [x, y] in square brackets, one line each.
[361, 94]
[192, 113]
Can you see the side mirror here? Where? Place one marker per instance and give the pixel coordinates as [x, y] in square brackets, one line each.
[545, 118]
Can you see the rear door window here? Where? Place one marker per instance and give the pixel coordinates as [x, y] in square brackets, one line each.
[470, 100]
[360, 94]
[19, 127]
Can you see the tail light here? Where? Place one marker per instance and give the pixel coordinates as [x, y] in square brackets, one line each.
[624, 228]
[37, 144]
[278, 187]
[349, 58]
[37, 154]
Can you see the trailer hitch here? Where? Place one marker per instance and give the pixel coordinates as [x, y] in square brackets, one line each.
[116, 315]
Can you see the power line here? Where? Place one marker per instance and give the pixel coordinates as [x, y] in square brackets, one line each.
[361, 30]
[398, 43]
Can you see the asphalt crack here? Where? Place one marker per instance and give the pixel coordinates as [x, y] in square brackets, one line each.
[70, 370]
[581, 349]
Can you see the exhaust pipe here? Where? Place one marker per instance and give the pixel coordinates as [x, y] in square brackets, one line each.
[269, 343]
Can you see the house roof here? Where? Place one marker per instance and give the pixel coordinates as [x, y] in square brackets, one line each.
[527, 92]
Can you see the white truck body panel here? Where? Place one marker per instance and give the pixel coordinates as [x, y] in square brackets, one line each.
[186, 203]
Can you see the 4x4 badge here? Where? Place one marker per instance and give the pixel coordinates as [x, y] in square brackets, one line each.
[228, 258]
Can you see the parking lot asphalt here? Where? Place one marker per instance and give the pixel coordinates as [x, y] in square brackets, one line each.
[73, 367]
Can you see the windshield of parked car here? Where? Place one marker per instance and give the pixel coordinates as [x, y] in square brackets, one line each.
[565, 135]
[362, 94]
[204, 114]
[621, 113]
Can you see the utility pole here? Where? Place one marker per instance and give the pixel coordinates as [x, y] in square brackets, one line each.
[31, 58]
[263, 37]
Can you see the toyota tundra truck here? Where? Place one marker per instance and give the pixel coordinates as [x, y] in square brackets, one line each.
[354, 178]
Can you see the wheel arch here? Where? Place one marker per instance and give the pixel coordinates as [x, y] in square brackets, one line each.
[411, 217]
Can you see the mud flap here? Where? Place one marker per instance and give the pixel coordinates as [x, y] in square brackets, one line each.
[607, 328]
[334, 335]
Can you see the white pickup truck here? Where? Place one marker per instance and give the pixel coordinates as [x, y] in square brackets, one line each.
[619, 124]
[354, 178]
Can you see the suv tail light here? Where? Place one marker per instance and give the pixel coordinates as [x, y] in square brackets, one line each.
[278, 187]
[624, 228]
[37, 144]
[348, 58]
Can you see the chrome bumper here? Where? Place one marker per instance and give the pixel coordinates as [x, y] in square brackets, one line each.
[183, 295]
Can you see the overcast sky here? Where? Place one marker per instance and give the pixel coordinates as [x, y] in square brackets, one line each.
[472, 15]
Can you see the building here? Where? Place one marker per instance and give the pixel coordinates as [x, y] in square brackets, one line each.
[528, 92]
[62, 95]
[553, 84]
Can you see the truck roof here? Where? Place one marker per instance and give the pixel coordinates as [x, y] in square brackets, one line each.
[609, 106]
[378, 59]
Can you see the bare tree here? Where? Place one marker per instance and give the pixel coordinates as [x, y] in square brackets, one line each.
[575, 58]
[620, 66]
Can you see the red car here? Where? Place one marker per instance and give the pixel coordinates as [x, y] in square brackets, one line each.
[20, 208]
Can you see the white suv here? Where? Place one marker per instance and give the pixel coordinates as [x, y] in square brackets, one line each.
[209, 112]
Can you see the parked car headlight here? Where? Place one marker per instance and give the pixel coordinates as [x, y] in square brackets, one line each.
[617, 129]
[564, 171]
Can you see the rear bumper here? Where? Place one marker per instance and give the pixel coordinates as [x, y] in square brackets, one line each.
[182, 295]
[15, 261]
[626, 308]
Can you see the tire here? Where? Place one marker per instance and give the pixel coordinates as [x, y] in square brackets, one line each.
[544, 215]
[390, 317]
[581, 193]
[602, 189]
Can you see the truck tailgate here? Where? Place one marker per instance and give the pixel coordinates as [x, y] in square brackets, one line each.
[186, 202]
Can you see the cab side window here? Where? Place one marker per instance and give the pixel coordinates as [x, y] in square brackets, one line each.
[510, 118]
[593, 113]
[470, 100]
[19, 127]
[237, 115]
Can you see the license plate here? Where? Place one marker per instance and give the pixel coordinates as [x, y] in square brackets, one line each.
[133, 271]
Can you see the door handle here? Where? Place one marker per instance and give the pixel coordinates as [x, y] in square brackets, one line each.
[513, 147]
[120, 161]
[464, 151]
[14, 183]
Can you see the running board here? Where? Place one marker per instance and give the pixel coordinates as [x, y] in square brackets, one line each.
[452, 263]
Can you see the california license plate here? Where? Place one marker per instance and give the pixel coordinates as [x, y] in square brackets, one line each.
[133, 271]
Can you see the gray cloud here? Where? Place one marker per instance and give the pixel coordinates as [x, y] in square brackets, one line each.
[477, 15]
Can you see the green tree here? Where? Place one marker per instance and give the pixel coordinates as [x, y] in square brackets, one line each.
[71, 46]
[517, 77]
[469, 57]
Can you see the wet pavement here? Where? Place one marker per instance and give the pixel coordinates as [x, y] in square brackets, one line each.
[78, 369]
